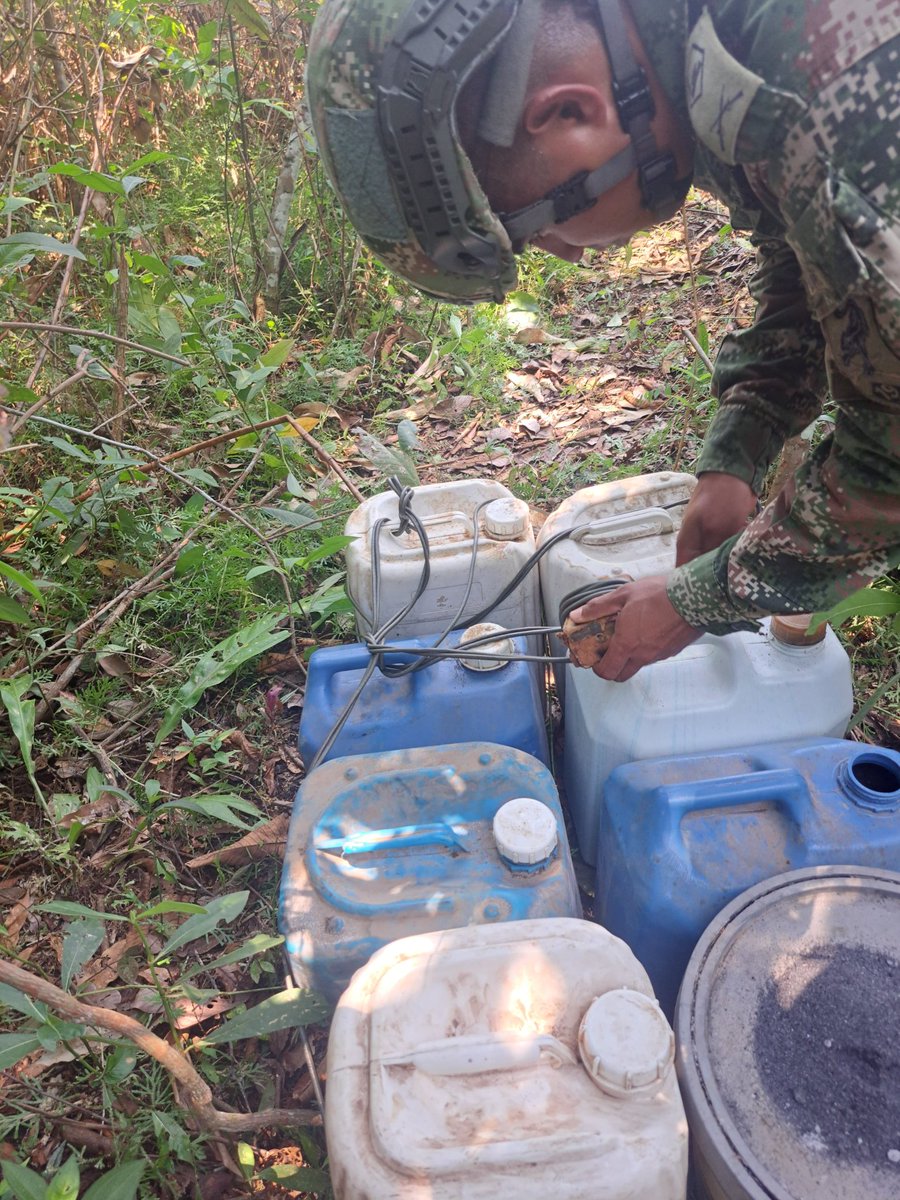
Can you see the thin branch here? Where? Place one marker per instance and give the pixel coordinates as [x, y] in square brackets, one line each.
[701, 353]
[192, 1090]
[54, 327]
[325, 457]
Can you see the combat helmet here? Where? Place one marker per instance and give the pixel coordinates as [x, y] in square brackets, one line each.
[382, 81]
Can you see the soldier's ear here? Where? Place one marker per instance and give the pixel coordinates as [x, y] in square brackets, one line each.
[559, 108]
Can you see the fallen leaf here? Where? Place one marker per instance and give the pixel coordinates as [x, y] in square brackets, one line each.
[235, 737]
[534, 336]
[527, 383]
[266, 841]
[14, 922]
[189, 1014]
[93, 814]
[108, 967]
[114, 568]
[289, 430]
[113, 665]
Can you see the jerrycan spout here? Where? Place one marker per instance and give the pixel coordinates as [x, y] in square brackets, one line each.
[872, 780]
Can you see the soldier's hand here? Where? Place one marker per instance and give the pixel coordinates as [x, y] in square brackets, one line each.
[720, 507]
[648, 627]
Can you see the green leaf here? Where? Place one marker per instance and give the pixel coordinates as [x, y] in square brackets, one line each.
[408, 435]
[258, 944]
[12, 204]
[300, 517]
[867, 602]
[167, 906]
[328, 547]
[167, 1129]
[15, 393]
[72, 450]
[385, 459]
[146, 160]
[67, 908]
[264, 569]
[246, 1159]
[91, 179]
[221, 911]
[277, 353]
[121, 1062]
[82, 939]
[292, 1007]
[21, 718]
[12, 611]
[301, 1179]
[218, 664]
[20, 580]
[16, 1046]
[189, 560]
[64, 1184]
[121, 1183]
[24, 1183]
[12, 997]
[42, 242]
[222, 806]
[245, 14]
[168, 326]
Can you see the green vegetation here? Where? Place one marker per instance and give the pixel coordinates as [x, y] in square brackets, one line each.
[201, 371]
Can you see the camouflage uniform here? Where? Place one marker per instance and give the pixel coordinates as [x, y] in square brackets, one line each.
[796, 108]
[795, 105]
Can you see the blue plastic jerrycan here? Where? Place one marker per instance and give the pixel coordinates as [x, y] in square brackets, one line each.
[382, 846]
[681, 837]
[450, 700]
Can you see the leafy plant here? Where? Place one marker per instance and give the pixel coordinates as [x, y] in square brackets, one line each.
[120, 1183]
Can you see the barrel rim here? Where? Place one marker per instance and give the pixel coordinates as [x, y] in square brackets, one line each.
[712, 1128]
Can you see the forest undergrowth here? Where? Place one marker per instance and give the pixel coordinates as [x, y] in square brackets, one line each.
[202, 374]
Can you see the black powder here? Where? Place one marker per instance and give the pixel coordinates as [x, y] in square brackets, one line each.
[830, 1062]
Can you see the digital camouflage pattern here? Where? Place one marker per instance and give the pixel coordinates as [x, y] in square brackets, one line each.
[795, 105]
[796, 109]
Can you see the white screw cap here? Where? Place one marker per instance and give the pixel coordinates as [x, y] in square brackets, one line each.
[626, 1043]
[525, 831]
[503, 645]
[506, 518]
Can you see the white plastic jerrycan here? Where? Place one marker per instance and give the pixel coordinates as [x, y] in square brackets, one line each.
[626, 528]
[721, 693]
[448, 513]
[511, 1062]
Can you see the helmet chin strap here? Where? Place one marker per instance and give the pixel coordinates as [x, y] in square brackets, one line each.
[661, 192]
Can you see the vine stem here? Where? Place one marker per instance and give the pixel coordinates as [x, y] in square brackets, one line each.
[54, 327]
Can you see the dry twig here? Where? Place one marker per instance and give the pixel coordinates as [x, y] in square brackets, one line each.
[192, 1091]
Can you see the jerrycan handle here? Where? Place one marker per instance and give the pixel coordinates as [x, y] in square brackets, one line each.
[476, 1053]
[626, 526]
[399, 837]
[355, 657]
[785, 787]
[440, 526]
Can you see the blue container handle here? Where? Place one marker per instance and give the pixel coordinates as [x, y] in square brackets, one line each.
[355, 657]
[786, 787]
[399, 837]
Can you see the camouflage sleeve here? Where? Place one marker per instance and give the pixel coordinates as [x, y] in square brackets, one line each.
[769, 378]
[836, 525]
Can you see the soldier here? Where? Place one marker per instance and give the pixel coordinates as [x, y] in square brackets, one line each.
[458, 131]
